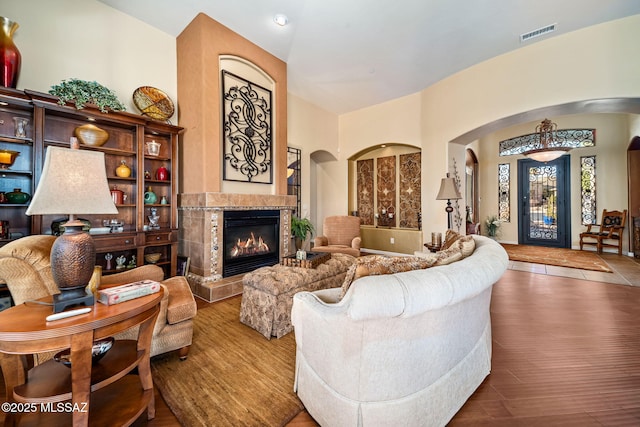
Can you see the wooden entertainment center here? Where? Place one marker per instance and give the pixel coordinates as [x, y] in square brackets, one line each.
[45, 123]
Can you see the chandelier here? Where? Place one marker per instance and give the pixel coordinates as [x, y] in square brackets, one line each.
[547, 148]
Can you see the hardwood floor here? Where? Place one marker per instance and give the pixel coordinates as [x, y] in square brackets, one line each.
[565, 351]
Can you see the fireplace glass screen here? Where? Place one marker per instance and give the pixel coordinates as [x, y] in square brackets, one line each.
[251, 240]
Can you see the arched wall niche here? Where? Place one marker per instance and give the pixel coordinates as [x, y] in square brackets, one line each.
[385, 192]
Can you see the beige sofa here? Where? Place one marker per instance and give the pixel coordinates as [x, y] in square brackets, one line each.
[403, 349]
[25, 268]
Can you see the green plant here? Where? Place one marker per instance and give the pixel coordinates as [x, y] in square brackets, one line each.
[82, 92]
[493, 223]
[301, 228]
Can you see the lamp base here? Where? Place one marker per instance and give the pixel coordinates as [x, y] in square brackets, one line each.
[70, 297]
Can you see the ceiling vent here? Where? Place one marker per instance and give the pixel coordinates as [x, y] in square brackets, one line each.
[536, 33]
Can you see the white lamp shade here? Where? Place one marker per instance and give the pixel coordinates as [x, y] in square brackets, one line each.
[73, 182]
[448, 190]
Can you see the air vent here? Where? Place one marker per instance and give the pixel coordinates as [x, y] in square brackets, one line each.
[537, 33]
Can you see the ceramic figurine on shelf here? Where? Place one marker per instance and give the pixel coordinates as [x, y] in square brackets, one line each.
[108, 257]
[154, 219]
[132, 263]
[120, 262]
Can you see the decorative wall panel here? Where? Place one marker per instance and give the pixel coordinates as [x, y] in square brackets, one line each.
[386, 183]
[247, 130]
[365, 191]
[504, 192]
[588, 189]
[410, 190]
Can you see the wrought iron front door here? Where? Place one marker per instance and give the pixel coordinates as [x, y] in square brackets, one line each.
[544, 195]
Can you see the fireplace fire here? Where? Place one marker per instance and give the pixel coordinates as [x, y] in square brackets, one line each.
[251, 240]
[249, 246]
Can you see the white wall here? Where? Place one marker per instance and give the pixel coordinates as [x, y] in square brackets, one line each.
[87, 40]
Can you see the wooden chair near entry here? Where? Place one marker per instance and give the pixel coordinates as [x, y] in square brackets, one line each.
[605, 235]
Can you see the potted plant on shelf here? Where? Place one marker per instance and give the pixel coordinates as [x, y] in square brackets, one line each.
[301, 228]
[83, 92]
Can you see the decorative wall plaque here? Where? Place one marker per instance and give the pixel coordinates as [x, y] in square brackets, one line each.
[247, 130]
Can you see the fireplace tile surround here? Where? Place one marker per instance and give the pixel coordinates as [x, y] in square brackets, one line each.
[200, 237]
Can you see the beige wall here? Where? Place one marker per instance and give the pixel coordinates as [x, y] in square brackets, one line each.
[612, 140]
[199, 48]
[88, 40]
[513, 83]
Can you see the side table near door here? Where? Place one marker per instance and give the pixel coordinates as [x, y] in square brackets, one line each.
[105, 393]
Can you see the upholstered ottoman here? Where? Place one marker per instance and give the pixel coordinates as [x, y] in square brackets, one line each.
[267, 294]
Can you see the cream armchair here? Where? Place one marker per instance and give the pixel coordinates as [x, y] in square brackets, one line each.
[25, 268]
[340, 234]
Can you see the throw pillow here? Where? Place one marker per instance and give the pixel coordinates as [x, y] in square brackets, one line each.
[467, 245]
[373, 265]
[449, 255]
[450, 238]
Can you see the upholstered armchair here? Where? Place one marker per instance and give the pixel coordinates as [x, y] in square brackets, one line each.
[25, 268]
[340, 234]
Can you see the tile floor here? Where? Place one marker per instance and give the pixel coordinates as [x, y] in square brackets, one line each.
[626, 270]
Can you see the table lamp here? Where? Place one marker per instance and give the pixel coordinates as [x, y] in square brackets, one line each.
[448, 191]
[73, 182]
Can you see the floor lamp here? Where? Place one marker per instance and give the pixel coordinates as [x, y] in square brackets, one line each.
[448, 191]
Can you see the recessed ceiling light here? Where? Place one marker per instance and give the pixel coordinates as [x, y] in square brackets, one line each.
[281, 19]
[383, 145]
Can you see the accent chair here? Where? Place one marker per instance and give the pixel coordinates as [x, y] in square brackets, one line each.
[25, 268]
[605, 235]
[341, 234]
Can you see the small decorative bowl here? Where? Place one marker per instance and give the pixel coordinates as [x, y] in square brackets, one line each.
[100, 348]
[152, 258]
[7, 158]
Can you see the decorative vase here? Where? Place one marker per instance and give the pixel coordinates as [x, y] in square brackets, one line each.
[117, 195]
[91, 135]
[162, 174]
[17, 196]
[10, 54]
[150, 197]
[123, 171]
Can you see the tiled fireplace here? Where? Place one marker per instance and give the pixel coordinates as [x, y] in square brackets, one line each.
[253, 221]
